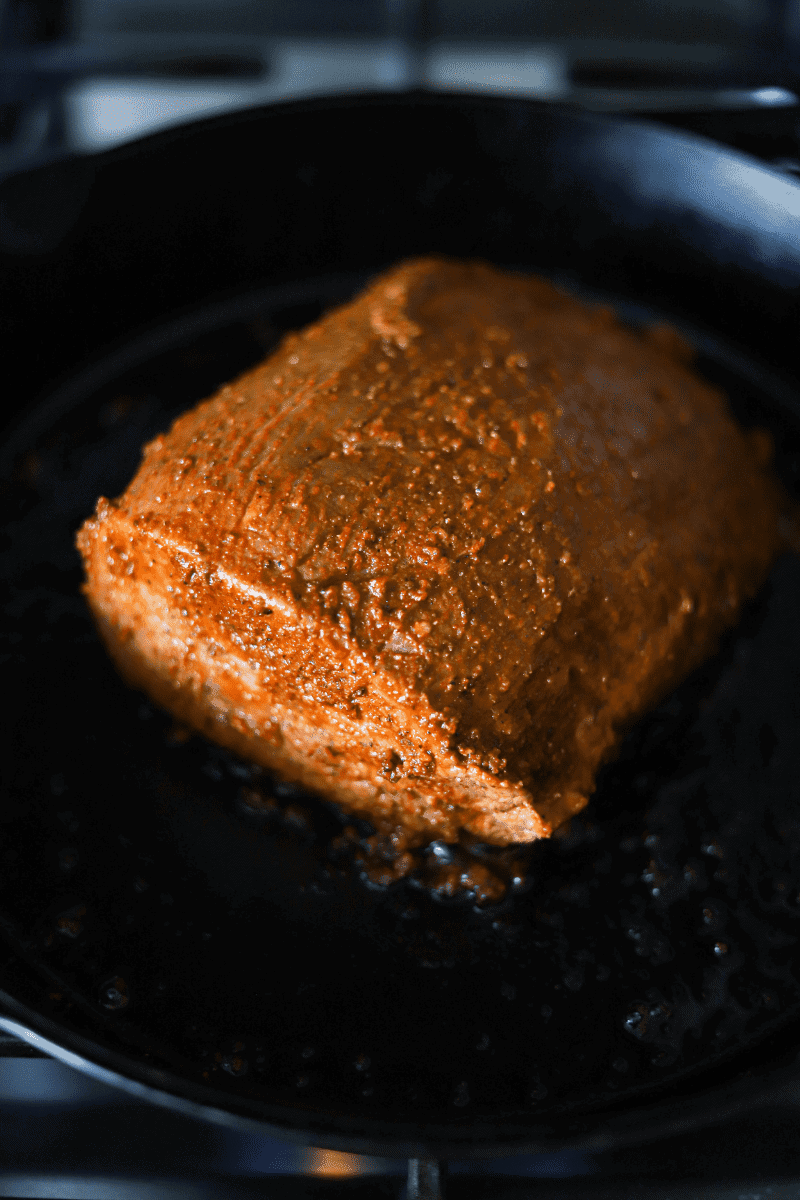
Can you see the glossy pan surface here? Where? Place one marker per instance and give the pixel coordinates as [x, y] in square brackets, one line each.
[177, 919]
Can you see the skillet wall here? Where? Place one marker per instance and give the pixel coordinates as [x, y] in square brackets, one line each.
[280, 193]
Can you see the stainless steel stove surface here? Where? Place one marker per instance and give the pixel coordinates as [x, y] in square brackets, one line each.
[67, 1135]
[84, 75]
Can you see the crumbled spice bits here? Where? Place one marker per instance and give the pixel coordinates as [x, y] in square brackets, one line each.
[467, 872]
[437, 552]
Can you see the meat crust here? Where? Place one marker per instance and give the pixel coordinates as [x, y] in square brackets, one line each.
[438, 552]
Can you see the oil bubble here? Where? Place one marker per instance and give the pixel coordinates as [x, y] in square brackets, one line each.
[234, 1064]
[114, 993]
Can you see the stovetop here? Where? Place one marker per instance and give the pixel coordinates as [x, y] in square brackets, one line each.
[66, 1135]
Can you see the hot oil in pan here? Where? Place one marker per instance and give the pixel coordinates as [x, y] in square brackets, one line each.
[222, 921]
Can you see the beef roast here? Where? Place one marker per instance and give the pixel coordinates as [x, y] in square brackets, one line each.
[434, 555]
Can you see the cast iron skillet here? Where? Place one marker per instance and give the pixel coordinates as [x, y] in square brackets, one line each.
[179, 925]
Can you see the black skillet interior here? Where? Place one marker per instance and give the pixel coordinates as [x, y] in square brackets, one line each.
[649, 954]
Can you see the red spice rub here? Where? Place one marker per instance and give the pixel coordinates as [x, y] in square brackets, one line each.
[436, 554]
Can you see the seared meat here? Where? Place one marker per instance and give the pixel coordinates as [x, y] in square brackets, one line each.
[436, 554]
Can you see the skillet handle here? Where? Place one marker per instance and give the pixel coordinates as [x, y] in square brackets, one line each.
[426, 1177]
